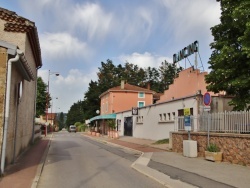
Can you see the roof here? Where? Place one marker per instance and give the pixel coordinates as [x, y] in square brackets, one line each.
[15, 23]
[105, 116]
[22, 64]
[128, 88]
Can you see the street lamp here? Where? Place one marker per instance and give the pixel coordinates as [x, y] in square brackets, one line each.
[47, 99]
[51, 108]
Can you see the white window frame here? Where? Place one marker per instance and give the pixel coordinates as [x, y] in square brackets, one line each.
[139, 95]
[140, 102]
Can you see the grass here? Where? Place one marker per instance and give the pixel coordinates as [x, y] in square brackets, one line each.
[213, 148]
[163, 141]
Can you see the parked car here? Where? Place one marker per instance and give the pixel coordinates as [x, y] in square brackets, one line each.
[72, 128]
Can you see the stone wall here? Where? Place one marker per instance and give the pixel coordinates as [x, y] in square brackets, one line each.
[3, 64]
[235, 147]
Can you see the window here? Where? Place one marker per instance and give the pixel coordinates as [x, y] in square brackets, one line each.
[164, 117]
[141, 95]
[141, 104]
[173, 115]
[139, 119]
[169, 116]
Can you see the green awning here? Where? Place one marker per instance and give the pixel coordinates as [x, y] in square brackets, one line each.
[105, 116]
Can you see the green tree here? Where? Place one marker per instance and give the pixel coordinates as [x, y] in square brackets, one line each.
[107, 76]
[61, 121]
[41, 97]
[75, 114]
[110, 76]
[168, 72]
[230, 59]
[91, 100]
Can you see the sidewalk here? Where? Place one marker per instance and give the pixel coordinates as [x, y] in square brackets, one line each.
[157, 162]
[168, 168]
[22, 174]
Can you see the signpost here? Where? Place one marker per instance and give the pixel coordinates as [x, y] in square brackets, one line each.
[207, 108]
[207, 99]
[187, 121]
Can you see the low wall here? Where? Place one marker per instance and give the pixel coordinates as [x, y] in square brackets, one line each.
[235, 147]
[37, 131]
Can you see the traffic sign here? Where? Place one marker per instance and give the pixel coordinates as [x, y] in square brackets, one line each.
[187, 123]
[186, 111]
[207, 99]
[206, 108]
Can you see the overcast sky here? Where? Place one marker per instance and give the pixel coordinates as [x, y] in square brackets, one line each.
[77, 35]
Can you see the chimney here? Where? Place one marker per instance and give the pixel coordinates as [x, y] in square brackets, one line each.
[148, 85]
[122, 84]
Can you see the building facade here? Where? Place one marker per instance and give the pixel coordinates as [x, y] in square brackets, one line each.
[156, 121]
[124, 97]
[20, 58]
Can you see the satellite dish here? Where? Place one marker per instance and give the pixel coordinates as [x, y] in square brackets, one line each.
[97, 111]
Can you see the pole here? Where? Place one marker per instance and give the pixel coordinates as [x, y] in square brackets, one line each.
[208, 129]
[52, 117]
[47, 106]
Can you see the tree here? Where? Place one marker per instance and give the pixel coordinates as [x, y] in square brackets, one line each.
[168, 72]
[230, 58]
[41, 97]
[61, 121]
[75, 114]
[110, 76]
[91, 100]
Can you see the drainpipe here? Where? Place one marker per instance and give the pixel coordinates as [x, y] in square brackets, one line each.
[7, 108]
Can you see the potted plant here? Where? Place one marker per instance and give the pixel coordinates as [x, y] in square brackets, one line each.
[213, 153]
[113, 133]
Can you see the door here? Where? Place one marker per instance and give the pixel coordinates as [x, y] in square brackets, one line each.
[128, 126]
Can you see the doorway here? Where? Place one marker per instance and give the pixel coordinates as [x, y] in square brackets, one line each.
[128, 126]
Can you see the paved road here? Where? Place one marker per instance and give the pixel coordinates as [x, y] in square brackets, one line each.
[76, 161]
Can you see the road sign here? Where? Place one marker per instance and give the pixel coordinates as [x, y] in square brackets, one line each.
[206, 108]
[186, 111]
[207, 99]
[187, 123]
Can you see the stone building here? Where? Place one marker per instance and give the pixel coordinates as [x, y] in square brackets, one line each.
[20, 59]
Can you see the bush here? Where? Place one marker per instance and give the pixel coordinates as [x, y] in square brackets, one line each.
[213, 148]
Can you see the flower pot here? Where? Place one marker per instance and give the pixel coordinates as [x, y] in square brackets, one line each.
[97, 134]
[213, 156]
[115, 134]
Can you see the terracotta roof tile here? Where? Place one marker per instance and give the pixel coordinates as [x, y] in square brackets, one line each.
[15, 23]
[129, 87]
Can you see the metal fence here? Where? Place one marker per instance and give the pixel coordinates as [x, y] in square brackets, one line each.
[223, 122]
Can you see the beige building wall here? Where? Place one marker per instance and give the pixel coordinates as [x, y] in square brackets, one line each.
[22, 112]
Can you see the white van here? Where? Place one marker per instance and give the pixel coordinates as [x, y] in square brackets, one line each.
[72, 128]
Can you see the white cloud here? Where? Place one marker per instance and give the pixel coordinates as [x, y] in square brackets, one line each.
[190, 17]
[91, 19]
[144, 60]
[63, 45]
[68, 89]
[134, 27]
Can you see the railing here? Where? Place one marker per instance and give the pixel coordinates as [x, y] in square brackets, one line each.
[225, 122]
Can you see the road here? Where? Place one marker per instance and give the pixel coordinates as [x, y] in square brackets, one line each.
[74, 161]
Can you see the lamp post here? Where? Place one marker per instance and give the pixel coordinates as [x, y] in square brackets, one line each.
[47, 100]
[52, 120]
